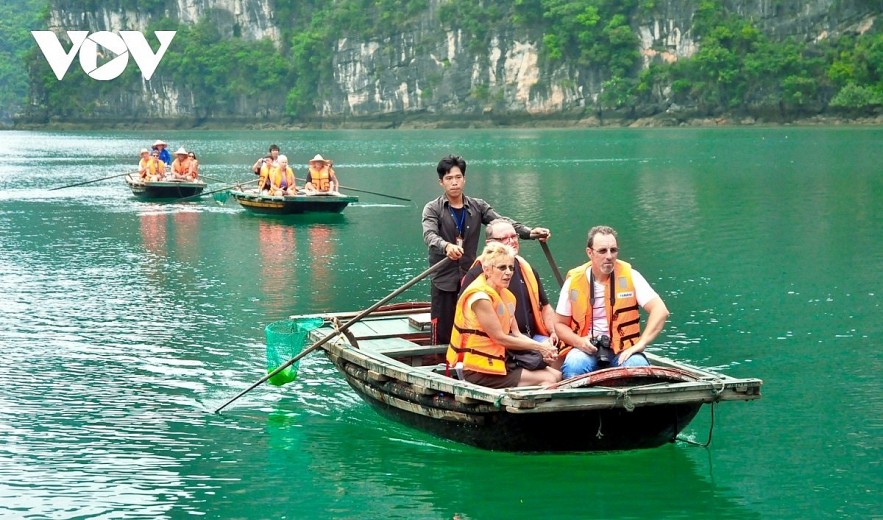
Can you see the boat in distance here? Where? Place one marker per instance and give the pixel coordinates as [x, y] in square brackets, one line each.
[257, 202]
[163, 189]
[388, 360]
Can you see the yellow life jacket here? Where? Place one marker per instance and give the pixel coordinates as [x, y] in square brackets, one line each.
[533, 294]
[469, 343]
[321, 179]
[264, 179]
[152, 166]
[620, 302]
[278, 180]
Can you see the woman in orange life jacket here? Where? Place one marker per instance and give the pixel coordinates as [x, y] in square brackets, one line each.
[321, 177]
[485, 329]
[194, 166]
[181, 165]
[282, 178]
[150, 168]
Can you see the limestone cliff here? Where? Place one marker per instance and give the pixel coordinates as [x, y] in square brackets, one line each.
[426, 70]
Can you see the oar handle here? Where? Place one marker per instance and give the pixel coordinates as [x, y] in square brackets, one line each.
[90, 182]
[215, 191]
[364, 191]
[343, 328]
[552, 263]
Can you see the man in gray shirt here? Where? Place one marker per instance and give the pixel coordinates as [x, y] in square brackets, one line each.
[451, 227]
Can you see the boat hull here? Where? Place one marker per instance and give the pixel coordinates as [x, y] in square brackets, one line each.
[267, 205]
[389, 362]
[164, 189]
[566, 431]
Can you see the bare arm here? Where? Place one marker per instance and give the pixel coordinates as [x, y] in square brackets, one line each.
[487, 318]
[658, 314]
[569, 337]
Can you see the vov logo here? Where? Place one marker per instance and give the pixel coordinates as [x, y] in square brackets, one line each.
[122, 44]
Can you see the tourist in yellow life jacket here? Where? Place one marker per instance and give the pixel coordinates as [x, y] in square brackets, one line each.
[486, 338]
[321, 178]
[181, 165]
[598, 310]
[150, 168]
[534, 315]
[282, 178]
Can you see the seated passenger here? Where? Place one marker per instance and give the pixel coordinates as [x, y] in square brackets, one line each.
[598, 310]
[321, 178]
[194, 166]
[282, 179]
[486, 336]
[181, 166]
[150, 168]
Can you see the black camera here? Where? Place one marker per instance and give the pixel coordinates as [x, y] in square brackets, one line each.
[602, 343]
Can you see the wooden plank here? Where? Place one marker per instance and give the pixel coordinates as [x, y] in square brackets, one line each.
[420, 321]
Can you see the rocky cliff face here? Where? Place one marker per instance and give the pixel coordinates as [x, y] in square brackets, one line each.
[426, 70]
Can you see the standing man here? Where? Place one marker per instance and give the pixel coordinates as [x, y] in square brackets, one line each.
[535, 316]
[598, 310]
[269, 159]
[451, 227]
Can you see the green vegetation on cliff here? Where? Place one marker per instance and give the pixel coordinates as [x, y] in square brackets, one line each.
[17, 18]
[737, 69]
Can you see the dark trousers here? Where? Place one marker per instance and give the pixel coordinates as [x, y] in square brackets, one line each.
[444, 303]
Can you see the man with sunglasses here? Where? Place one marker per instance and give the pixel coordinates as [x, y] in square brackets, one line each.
[451, 227]
[533, 313]
[598, 310]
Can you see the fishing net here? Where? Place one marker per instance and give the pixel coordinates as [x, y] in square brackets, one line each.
[221, 197]
[285, 339]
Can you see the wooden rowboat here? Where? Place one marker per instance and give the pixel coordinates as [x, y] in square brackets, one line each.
[387, 359]
[163, 189]
[256, 202]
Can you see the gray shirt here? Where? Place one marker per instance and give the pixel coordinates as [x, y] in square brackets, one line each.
[440, 229]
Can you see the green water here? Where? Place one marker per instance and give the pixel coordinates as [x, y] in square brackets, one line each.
[123, 324]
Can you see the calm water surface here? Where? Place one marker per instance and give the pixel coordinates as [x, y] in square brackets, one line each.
[123, 324]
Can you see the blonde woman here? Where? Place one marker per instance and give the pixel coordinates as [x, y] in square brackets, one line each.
[486, 339]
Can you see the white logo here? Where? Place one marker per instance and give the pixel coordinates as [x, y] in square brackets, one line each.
[122, 44]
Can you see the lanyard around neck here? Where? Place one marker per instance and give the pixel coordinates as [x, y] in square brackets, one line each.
[460, 221]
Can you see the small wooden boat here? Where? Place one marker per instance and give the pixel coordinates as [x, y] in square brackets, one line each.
[387, 359]
[254, 201]
[166, 189]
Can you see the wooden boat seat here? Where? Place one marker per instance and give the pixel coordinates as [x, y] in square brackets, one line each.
[398, 347]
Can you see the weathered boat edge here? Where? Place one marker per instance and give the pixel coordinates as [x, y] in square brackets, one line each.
[287, 205]
[159, 190]
[525, 419]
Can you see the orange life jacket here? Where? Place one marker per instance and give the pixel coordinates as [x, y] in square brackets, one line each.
[620, 302]
[533, 294]
[321, 179]
[471, 345]
[181, 167]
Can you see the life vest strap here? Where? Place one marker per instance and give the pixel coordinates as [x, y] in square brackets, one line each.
[470, 331]
[469, 350]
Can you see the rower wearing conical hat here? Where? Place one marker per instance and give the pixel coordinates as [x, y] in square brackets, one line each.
[321, 178]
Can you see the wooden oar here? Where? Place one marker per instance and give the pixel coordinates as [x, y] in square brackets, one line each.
[216, 191]
[552, 264]
[343, 328]
[90, 182]
[364, 191]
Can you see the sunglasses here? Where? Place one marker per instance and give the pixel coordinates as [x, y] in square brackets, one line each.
[506, 238]
[506, 267]
[613, 250]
